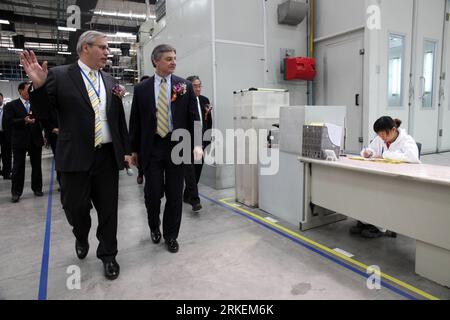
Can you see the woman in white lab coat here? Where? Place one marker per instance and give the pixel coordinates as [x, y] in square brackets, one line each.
[392, 143]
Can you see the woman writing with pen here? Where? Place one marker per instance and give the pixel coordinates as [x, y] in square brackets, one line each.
[392, 143]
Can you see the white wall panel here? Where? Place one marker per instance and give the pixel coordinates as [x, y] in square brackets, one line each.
[239, 20]
[238, 67]
[334, 17]
[444, 143]
[9, 89]
[187, 26]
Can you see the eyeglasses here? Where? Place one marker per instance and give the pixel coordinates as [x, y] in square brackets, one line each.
[101, 47]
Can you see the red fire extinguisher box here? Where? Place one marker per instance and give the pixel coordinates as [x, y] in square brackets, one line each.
[299, 68]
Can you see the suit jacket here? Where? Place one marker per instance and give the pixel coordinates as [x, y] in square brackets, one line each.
[143, 114]
[207, 122]
[207, 119]
[22, 134]
[65, 92]
[50, 124]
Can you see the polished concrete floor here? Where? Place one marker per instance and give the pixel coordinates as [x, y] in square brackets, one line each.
[224, 254]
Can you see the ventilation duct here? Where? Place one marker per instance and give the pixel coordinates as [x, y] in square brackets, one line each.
[291, 12]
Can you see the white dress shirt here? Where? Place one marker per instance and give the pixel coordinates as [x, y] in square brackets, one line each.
[158, 81]
[106, 133]
[200, 111]
[24, 102]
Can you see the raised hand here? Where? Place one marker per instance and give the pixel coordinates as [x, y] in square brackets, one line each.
[36, 72]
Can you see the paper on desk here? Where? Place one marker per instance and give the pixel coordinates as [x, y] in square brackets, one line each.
[376, 160]
[335, 133]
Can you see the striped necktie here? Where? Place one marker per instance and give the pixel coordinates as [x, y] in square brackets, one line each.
[95, 101]
[162, 114]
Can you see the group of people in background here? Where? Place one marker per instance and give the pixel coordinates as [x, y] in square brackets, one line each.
[21, 134]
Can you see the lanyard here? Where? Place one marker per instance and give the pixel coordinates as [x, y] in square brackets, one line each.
[91, 84]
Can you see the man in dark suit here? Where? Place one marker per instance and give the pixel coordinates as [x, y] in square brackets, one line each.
[92, 143]
[5, 143]
[26, 137]
[161, 105]
[193, 171]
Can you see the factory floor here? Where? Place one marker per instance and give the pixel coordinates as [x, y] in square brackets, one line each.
[226, 252]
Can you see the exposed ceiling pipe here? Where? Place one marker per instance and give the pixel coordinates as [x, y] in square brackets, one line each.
[311, 29]
[147, 4]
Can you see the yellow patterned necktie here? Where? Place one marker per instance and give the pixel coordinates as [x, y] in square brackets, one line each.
[95, 101]
[162, 111]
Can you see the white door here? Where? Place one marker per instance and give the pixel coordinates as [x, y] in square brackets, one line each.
[427, 52]
[343, 84]
[444, 112]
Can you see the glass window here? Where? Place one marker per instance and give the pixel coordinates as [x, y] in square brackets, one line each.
[427, 80]
[395, 72]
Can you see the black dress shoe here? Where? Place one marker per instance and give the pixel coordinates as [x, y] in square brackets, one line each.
[155, 235]
[172, 245]
[81, 249]
[15, 198]
[112, 269]
[38, 193]
[196, 207]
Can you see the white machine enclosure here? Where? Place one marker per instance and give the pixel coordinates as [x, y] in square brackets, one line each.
[257, 110]
[282, 194]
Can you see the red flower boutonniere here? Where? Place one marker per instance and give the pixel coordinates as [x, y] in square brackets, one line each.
[119, 91]
[178, 89]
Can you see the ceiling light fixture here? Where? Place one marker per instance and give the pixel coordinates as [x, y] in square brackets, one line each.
[130, 14]
[67, 29]
[121, 35]
[64, 52]
[4, 21]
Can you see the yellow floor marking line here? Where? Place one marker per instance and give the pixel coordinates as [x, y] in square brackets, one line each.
[328, 250]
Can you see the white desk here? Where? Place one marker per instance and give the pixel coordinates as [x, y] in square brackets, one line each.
[410, 199]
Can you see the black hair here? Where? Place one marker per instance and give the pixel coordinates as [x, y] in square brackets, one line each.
[1, 94]
[22, 85]
[159, 50]
[144, 78]
[386, 124]
[193, 78]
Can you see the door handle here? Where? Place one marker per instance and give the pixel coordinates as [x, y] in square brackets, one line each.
[357, 99]
[422, 88]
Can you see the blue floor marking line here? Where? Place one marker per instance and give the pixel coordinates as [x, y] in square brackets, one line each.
[42, 295]
[337, 261]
